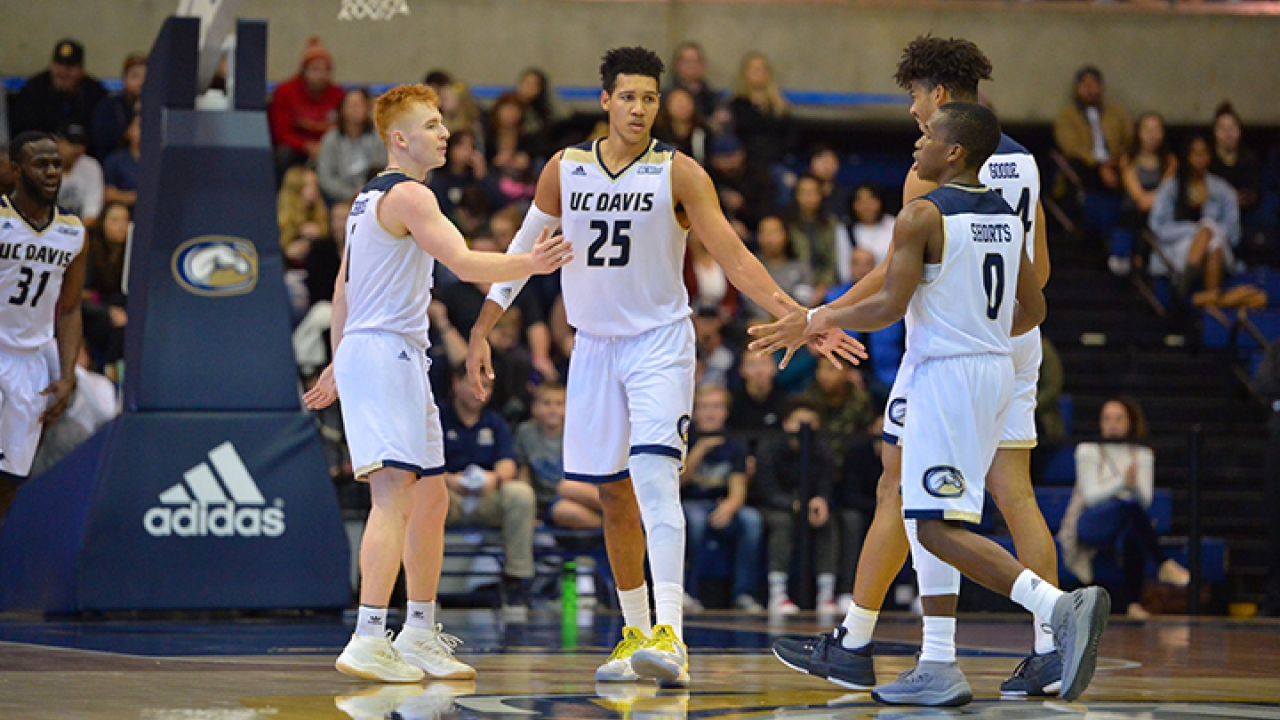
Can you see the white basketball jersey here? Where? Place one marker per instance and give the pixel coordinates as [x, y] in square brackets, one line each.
[1012, 170]
[388, 279]
[32, 265]
[964, 305]
[626, 277]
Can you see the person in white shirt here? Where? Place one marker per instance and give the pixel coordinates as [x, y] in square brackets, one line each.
[82, 181]
[1115, 482]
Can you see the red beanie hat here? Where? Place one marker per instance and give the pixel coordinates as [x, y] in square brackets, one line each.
[316, 51]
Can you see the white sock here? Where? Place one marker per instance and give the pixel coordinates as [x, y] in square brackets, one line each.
[668, 601]
[826, 588]
[635, 608]
[1044, 635]
[421, 615]
[1034, 594]
[861, 623]
[777, 586]
[939, 639]
[371, 622]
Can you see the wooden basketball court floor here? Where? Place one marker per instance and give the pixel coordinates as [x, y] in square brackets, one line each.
[281, 669]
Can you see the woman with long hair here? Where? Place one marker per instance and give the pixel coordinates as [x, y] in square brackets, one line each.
[1145, 164]
[1233, 161]
[680, 124]
[350, 150]
[300, 203]
[1115, 483]
[779, 257]
[104, 302]
[761, 115]
[815, 232]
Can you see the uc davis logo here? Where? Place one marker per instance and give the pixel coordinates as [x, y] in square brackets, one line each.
[944, 481]
[216, 266]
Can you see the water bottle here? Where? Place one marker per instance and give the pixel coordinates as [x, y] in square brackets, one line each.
[569, 606]
[473, 482]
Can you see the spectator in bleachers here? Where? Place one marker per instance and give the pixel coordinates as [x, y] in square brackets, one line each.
[300, 203]
[112, 116]
[1115, 484]
[82, 187]
[458, 106]
[350, 150]
[689, 73]
[706, 281]
[120, 169]
[503, 227]
[761, 115]
[713, 491]
[824, 164]
[507, 140]
[854, 503]
[480, 472]
[885, 347]
[534, 92]
[539, 446]
[1092, 133]
[757, 402]
[303, 108]
[870, 227]
[777, 491]
[747, 192]
[778, 255]
[1145, 164]
[680, 124]
[1235, 162]
[464, 168]
[61, 95]
[815, 233]
[846, 406]
[104, 305]
[1196, 221]
[719, 360]
[8, 170]
[324, 257]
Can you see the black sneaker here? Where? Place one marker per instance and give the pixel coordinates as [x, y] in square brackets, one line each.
[1035, 676]
[824, 656]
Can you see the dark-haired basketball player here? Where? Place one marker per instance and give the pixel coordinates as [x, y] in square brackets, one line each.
[627, 203]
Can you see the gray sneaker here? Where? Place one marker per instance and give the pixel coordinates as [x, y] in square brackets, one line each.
[928, 683]
[1078, 621]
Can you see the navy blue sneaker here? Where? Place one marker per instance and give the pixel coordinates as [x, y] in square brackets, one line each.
[824, 656]
[1035, 676]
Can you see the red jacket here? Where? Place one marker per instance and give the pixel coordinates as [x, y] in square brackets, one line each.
[298, 118]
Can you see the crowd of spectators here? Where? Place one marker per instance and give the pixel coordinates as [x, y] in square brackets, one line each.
[815, 233]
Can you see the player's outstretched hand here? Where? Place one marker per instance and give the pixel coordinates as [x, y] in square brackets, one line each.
[837, 345]
[61, 391]
[551, 253]
[324, 392]
[785, 334]
[479, 368]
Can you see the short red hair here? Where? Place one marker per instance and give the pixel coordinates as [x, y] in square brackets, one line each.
[397, 101]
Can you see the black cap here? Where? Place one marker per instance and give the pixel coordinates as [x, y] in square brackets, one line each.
[68, 52]
[73, 133]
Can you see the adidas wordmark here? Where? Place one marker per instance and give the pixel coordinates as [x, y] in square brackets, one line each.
[199, 506]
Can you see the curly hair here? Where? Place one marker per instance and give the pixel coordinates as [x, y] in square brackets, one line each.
[629, 61]
[396, 101]
[954, 63]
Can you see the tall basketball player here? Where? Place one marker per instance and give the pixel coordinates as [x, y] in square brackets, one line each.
[630, 201]
[42, 267]
[955, 252]
[937, 71]
[395, 233]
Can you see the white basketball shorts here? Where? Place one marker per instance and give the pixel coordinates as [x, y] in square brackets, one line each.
[958, 405]
[627, 395]
[1020, 427]
[895, 411]
[388, 411]
[23, 375]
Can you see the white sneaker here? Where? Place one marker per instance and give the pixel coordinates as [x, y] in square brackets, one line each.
[432, 651]
[664, 658]
[782, 606]
[617, 669]
[374, 658]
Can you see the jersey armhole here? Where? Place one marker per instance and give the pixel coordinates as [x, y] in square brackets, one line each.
[676, 206]
[377, 208]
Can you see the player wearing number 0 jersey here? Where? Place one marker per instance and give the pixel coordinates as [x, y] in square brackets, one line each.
[627, 202]
[396, 232]
[957, 252]
[936, 71]
[41, 281]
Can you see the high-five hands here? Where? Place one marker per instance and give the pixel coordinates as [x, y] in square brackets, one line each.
[800, 326]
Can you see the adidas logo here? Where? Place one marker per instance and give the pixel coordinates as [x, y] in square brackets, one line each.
[199, 506]
[8, 225]
[403, 355]
[579, 171]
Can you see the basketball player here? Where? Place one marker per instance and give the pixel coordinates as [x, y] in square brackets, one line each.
[42, 267]
[630, 202]
[395, 233]
[953, 252]
[937, 71]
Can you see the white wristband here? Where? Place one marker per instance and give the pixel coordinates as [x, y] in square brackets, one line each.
[808, 318]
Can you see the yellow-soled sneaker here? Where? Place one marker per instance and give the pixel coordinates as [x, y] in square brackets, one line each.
[618, 667]
[664, 658]
[375, 658]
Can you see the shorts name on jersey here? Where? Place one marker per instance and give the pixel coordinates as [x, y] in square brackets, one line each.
[36, 253]
[611, 202]
[1003, 170]
[985, 233]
